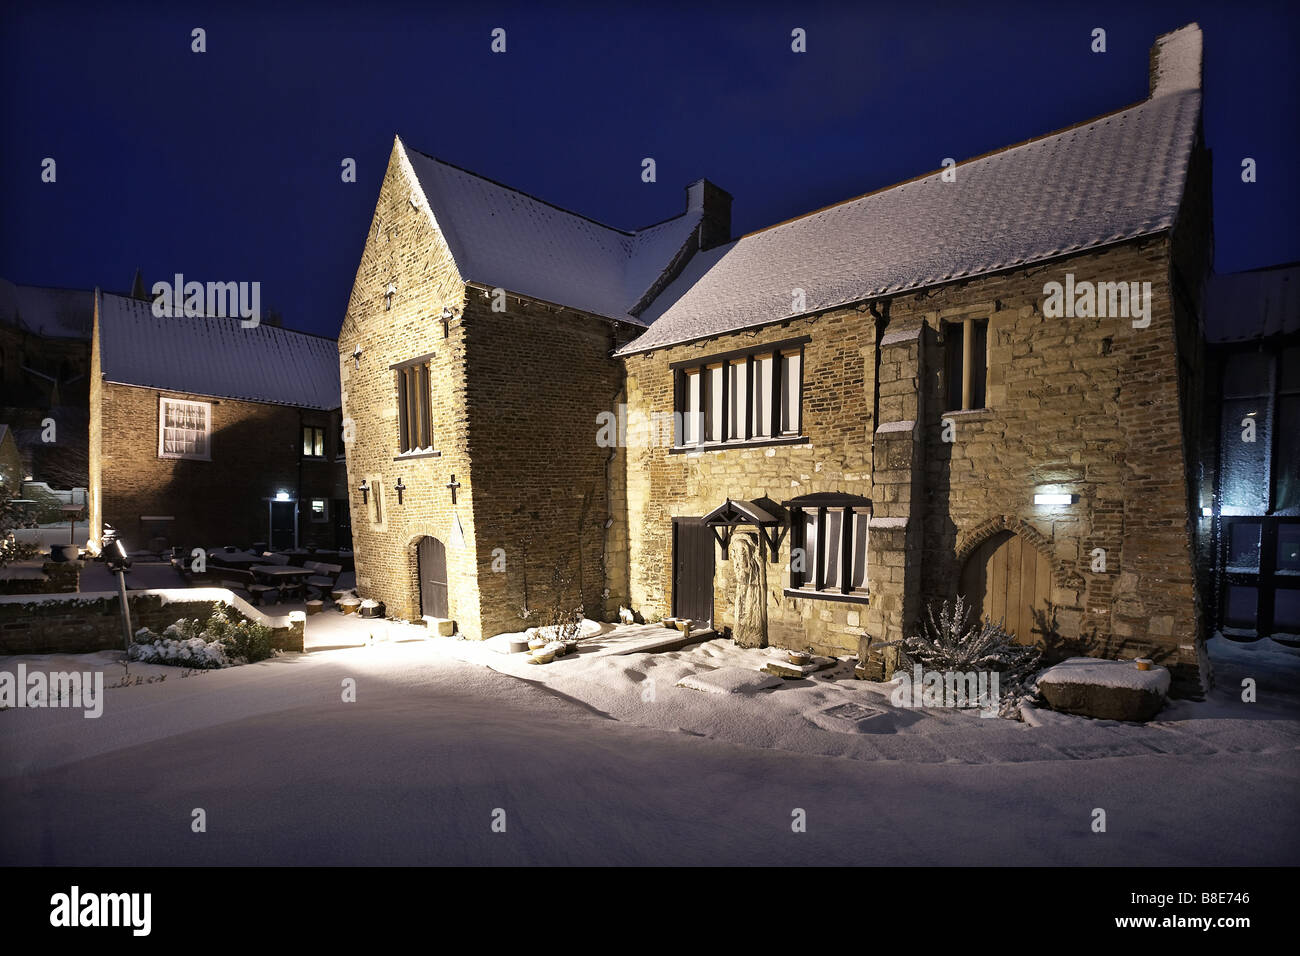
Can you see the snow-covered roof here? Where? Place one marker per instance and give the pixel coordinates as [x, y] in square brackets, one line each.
[51, 313]
[1252, 305]
[208, 355]
[504, 238]
[1117, 177]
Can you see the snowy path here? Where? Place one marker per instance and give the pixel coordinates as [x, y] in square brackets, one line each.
[412, 772]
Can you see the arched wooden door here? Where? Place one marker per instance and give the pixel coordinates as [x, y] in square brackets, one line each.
[431, 556]
[1007, 579]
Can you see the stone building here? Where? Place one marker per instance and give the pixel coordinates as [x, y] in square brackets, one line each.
[476, 359]
[207, 434]
[983, 380]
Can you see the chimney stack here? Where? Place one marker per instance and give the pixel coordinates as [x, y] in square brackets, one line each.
[715, 203]
[1176, 61]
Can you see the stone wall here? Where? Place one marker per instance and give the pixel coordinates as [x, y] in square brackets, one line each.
[839, 384]
[86, 623]
[1089, 407]
[405, 248]
[539, 378]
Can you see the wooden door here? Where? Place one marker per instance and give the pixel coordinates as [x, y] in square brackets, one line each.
[692, 570]
[1007, 579]
[431, 558]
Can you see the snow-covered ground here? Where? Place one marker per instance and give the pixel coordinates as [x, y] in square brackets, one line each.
[604, 759]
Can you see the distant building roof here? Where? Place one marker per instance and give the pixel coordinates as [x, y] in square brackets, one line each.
[504, 238]
[216, 356]
[1252, 305]
[50, 313]
[1118, 177]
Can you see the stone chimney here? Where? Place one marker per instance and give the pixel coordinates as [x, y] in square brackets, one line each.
[1176, 61]
[715, 227]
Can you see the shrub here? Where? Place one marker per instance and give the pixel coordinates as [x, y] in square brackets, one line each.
[220, 642]
[950, 641]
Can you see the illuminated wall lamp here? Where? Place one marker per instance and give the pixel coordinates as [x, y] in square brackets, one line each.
[1055, 499]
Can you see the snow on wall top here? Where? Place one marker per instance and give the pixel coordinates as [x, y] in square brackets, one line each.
[51, 313]
[502, 237]
[1251, 305]
[1118, 177]
[216, 356]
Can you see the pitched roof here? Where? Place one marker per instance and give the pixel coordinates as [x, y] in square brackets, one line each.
[1118, 177]
[51, 313]
[502, 237]
[214, 356]
[1252, 305]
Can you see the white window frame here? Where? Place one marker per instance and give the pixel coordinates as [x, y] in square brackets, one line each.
[206, 407]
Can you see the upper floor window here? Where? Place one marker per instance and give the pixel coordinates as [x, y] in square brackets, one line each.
[414, 414]
[750, 396]
[184, 429]
[966, 345]
[313, 442]
[1259, 451]
[828, 541]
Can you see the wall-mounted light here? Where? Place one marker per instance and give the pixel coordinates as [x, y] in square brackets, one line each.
[356, 355]
[364, 488]
[1055, 499]
[399, 488]
[1207, 512]
[388, 296]
[282, 496]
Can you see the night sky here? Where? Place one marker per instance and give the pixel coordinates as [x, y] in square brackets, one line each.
[225, 165]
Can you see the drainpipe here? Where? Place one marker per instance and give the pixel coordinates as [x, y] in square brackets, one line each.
[882, 322]
[621, 392]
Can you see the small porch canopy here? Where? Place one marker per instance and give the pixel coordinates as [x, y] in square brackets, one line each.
[731, 514]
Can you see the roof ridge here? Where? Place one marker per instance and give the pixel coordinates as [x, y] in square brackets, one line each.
[527, 195]
[965, 162]
[203, 315]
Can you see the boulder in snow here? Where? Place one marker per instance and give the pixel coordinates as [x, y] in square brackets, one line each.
[1108, 690]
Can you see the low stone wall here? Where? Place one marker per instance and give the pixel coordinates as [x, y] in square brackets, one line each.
[85, 623]
[53, 577]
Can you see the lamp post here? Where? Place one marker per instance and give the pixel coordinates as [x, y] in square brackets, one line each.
[113, 554]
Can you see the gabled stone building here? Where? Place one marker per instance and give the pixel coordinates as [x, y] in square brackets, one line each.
[986, 381]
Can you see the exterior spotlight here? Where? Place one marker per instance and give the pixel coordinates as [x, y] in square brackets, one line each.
[282, 496]
[1055, 499]
[364, 488]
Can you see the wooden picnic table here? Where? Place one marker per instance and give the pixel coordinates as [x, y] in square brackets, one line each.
[280, 571]
[233, 559]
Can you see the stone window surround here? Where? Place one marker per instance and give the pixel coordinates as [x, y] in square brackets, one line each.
[681, 367]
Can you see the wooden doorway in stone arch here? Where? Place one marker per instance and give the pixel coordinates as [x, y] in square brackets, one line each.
[1008, 579]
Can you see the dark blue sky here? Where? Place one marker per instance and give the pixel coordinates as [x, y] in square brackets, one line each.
[225, 165]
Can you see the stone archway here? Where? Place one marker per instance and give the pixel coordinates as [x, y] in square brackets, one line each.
[749, 574]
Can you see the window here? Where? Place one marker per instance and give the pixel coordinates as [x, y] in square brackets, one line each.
[828, 556]
[1259, 451]
[313, 442]
[319, 510]
[966, 344]
[749, 397]
[184, 429]
[414, 415]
